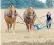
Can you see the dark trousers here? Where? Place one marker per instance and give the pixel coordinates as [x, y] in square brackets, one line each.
[48, 24]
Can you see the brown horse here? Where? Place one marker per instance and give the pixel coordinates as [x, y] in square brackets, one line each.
[29, 18]
[10, 19]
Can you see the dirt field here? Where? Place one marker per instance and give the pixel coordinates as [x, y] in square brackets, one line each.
[20, 36]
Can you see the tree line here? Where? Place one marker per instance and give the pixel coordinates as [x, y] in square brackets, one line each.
[22, 3]
[26, 3]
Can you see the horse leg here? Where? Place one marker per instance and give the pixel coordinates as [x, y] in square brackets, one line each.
[10, 26]
[29, 27]
[13, 25]
[32, 27]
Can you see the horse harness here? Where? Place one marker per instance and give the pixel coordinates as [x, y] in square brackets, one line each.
[11, 15]
[30, 16]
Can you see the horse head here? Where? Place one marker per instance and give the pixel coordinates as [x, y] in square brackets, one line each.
[12, 9]
[30, 11]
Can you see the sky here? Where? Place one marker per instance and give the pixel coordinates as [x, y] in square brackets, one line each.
[43, 1]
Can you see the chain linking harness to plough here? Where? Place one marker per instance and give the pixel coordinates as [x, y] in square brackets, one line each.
[38, 26]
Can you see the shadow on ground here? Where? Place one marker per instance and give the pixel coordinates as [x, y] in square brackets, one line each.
[27, 43]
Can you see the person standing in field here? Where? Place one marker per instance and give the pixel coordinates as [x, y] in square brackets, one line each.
[49, 19]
